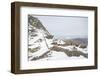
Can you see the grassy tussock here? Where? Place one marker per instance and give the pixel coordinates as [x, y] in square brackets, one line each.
[33, 49]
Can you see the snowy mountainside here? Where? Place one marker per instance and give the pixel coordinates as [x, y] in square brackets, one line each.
[43, 46]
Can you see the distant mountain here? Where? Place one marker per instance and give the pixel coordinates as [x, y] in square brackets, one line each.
[82, 40]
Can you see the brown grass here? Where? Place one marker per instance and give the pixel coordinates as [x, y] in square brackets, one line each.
[71, 53]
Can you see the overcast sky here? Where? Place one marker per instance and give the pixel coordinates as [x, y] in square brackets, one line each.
[65, 26]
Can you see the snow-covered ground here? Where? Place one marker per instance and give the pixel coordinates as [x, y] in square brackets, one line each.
[52, 55]
[59, 56]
